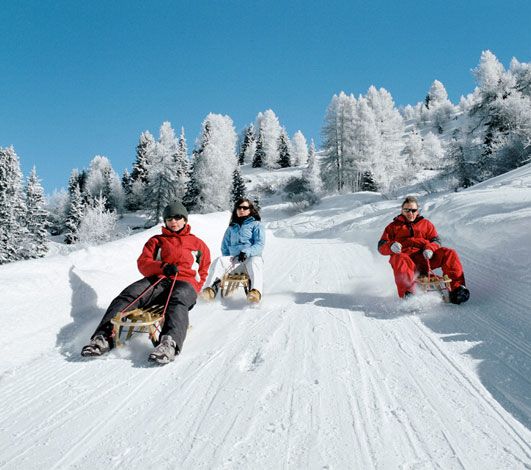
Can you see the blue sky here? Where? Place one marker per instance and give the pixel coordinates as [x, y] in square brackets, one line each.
[86, 78]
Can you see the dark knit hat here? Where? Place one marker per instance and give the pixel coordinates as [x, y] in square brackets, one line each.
[174, 208]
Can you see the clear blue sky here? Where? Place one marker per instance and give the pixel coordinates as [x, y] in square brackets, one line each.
[81, 78]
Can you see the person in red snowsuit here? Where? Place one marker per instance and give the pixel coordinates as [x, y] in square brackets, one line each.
[411, 241]
[182, 261]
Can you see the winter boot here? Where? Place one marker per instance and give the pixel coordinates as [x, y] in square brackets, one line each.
[209, 293]
[98, 345]
[408, 295]
[254, 296]
[459, 295]
[165, 352]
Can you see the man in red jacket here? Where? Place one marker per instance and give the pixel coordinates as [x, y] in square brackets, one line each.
[175, 255]
[410, 241]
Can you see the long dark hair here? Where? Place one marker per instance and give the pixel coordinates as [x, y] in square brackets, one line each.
[253, 213]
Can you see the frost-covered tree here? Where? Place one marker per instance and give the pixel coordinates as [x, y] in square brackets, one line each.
[414, 156]
[299, 149]
[12, 207]
[127, 187]
[57, 207]
[284, 151]
[214, 162]
[183, 146]
[259, 154]
[338, 143]
[312, 172]
[390, 125]
[36, 218]
[140, 172]
[76, 209]
[433, 151]
[248, 145]
[182, 165]
[238, 190]
[101, 178]
[98, 223]
[269, 131]
[438, 109]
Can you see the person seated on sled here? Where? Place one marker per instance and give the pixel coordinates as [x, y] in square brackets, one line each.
[412, 241]
[175, 255]
[241, 250]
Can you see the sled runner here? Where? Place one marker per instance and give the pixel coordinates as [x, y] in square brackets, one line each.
[148, 320]
[433, 282]
[230, 282]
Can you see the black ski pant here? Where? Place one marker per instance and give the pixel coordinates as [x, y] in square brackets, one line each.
[183, 298]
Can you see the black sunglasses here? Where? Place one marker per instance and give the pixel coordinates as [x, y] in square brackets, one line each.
[243, 208]
[174, 217]
[410, 210]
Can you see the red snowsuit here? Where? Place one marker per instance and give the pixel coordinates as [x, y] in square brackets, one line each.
[415, 237]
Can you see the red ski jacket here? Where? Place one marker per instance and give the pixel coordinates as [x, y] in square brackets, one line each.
[414, 236]
[189, 253]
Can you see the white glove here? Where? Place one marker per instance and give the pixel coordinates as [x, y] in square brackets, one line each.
[396, 247]
[427, 254]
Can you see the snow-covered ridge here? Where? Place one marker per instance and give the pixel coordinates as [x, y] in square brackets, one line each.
[330, 370]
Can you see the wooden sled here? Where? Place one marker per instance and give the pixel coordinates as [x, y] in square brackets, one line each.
[148, 320]
[232, 281]
[433, 282]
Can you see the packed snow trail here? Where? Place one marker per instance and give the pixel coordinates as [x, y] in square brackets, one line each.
[329, 371]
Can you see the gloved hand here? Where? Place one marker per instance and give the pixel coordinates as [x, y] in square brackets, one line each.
[242, 257]
[396, 247]
[427, 254]
[170, 270]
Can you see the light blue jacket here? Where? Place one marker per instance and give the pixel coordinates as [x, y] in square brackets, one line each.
[249, 238]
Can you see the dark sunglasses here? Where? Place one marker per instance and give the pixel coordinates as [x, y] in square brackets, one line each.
[243, 208]
[410, 210]
[174, 217]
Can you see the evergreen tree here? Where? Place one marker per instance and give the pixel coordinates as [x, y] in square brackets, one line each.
[238, 186]
[269, 132]
[127, 187]
[98, 223]
[299, 149]
[36, 218]
[338, 143]
[12, 207]
[248, 146]
[312, 173]
[284, 160]
[259, 154]
[101, 178]
[140, 171]
[76, 209]
[182, 166]
[213, 165]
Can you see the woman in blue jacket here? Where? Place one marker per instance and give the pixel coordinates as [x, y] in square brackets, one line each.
[241, 250]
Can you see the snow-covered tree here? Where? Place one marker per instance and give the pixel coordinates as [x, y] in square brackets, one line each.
[214, 162]
[312, 173]
[259, 154]
[98, 223]
[57, 207]
[248, 146]
[433, 152]
[36, 218]
[414, 156]
[12, 207]
[438, 108]
[299, 149]
[284, 150]
[338, 143]
[101, 178]
[143, 149]
[269, 131]
[238, 190]
[76, 209]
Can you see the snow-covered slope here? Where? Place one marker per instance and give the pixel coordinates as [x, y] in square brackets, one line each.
[329, 371]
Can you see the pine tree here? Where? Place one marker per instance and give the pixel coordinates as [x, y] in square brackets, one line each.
[248, 146]
[182, 166]
[269, 132]
[98, 223]
[101, 178]
[213, 165]
[127, 187]
[36, 218]
[299, 149]
[12, 207]
[259, 154]
[76, 209]
[312, 173]
[284, 160]
[140, 171]
[238, 186]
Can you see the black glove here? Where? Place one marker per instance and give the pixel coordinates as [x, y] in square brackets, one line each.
[242, 257]
[170, 270]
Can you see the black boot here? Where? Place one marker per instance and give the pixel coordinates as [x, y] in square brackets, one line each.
[459, 295]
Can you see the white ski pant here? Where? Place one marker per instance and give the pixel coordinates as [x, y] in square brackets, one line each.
[254, 266]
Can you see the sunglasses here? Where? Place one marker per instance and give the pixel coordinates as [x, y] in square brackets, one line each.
[410, 210]
[243, 208]
[174, 217]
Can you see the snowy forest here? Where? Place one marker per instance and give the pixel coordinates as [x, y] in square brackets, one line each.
[367, 144]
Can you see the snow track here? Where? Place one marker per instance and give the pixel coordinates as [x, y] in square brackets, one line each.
[329, 371]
